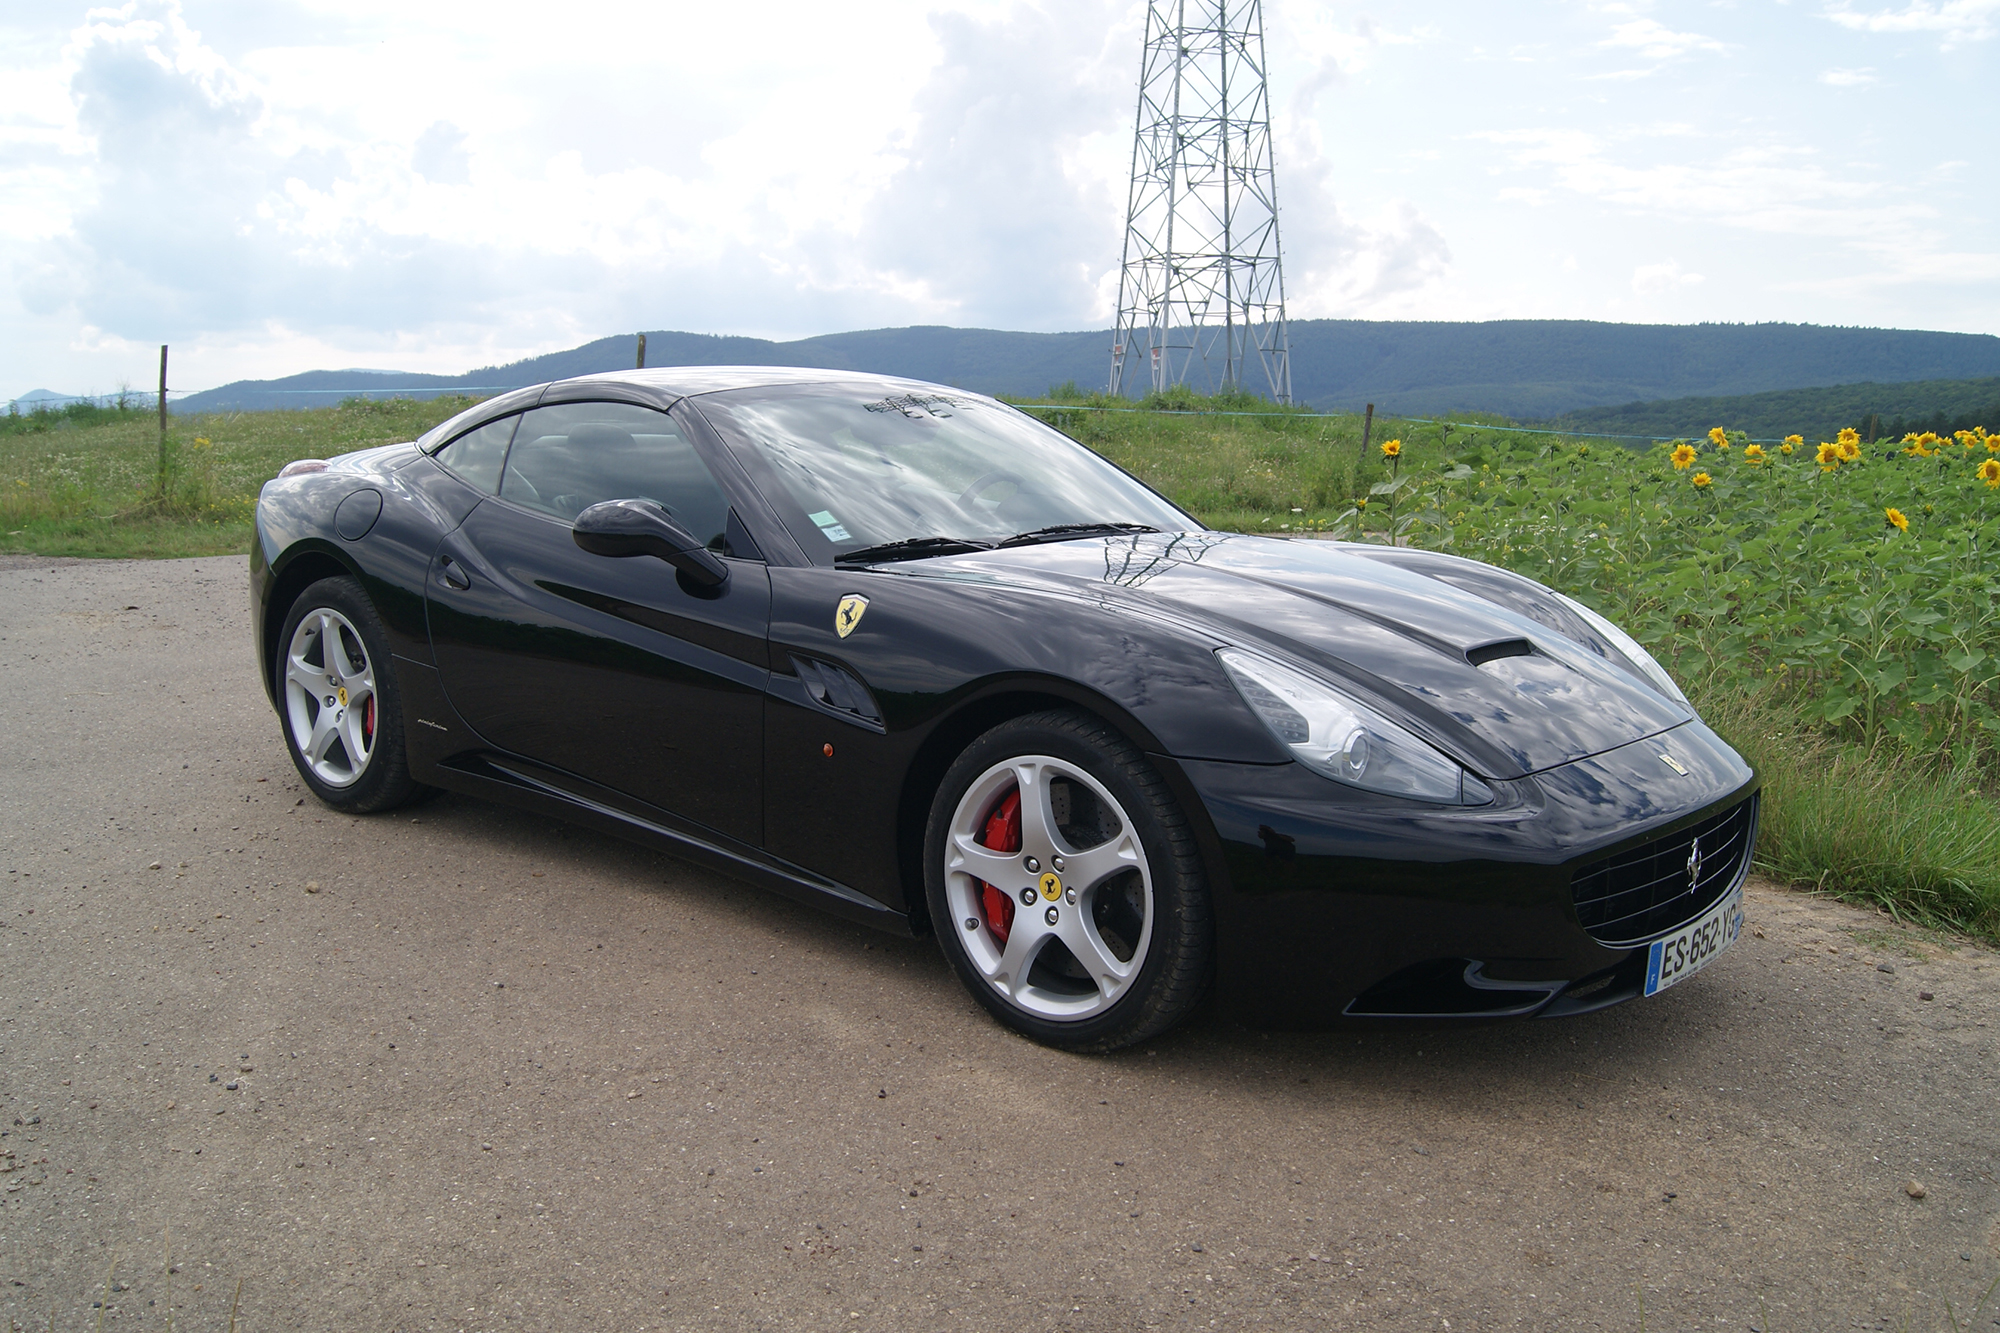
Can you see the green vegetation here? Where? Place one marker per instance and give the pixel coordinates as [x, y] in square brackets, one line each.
[86, 482]
[1876, 410]
[1854, 659]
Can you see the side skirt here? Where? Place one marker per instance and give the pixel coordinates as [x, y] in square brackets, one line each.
[511, 782]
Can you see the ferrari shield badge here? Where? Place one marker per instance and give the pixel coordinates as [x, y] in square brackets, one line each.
[848, 614]
[1051, 885]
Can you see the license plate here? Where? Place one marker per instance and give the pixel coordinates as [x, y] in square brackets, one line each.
[1694, 946]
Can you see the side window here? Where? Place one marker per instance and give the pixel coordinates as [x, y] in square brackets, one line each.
[475, 456]
[570, 457]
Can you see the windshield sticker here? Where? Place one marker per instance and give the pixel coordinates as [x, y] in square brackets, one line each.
[918, 405]
[831, 526]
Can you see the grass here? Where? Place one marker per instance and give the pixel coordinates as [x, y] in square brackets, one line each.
[86, 482]
[1855, 663]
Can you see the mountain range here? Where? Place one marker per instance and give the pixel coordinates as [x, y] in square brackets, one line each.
[1526, 369]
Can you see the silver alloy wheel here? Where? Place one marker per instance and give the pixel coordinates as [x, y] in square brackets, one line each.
[1104, 886]
[330, 700]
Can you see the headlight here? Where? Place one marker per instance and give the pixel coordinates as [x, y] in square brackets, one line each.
[1344, 740]
[1629, 646]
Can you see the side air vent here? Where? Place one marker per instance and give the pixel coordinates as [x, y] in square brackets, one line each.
[1493, 652]
[836, 689]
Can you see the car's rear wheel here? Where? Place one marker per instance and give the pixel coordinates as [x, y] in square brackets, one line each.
[1065, 885]
[338, 701]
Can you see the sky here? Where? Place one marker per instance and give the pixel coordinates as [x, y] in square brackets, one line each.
[274, 186]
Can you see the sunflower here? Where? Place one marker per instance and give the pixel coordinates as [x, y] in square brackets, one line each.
[1790, 442]
[1894, 518]
[1849, 450]
[1702, 479]
[1828, 456]
[1848, 435]
[1392, 448]
[1683, 456]
[1966, 438]
[1989, 472]
[1753, 453]
[1718, 437]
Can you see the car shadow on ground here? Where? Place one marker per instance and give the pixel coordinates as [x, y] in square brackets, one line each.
[1574, 1060]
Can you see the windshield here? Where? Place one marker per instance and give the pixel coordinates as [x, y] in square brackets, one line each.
[855, 468]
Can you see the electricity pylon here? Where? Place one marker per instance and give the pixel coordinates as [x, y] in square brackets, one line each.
[1202, 282]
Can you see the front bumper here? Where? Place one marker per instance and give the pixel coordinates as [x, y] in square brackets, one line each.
[1337, 904]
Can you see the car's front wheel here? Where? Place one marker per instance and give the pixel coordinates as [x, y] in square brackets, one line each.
[341, 710]
[1065, 886]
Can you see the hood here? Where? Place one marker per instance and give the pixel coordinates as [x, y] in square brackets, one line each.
[1504, 694]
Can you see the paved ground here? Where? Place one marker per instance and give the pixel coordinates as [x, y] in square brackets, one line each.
[498, 1073]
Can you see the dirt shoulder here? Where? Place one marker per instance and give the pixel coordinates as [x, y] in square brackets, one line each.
[462, 1068]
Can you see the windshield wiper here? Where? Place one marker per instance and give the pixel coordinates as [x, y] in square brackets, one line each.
[1063, 532]
[914, 548]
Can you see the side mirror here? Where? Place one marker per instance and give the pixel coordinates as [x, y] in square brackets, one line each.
[642, 527]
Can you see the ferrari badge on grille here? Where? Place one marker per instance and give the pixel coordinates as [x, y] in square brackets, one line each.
[848, 614]
[1665, 758]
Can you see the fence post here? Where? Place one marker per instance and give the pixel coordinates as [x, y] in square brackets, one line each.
[642, 353]
[162, 488]
[1367, 428]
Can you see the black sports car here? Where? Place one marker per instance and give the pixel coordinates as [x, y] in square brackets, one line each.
[909, 654]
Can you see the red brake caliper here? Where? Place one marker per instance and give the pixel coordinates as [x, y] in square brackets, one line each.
[368, 719]
[1003, 834]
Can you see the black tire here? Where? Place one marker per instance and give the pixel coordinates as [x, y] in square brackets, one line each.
[381, 779]
[1178, 940]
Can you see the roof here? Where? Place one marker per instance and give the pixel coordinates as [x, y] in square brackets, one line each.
[685, 380]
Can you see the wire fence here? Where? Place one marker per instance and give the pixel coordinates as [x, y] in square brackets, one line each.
[1418, 421]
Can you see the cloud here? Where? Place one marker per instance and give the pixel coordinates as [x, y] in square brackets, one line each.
[1771, 188]
[1652, 279]
[1008, 199]
[1656, 41]
[1959, 20]
[440, 155]
[1849, 78]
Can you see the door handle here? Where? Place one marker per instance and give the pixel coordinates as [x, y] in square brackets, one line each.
[454, 574]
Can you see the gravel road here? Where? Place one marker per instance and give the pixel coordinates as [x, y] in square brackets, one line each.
[459, 1068]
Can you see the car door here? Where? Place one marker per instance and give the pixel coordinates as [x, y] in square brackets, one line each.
[614, 670]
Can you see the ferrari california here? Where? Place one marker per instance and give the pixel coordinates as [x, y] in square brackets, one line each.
[908, 654]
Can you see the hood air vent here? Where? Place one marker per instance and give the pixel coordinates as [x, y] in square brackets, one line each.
[1493, 652]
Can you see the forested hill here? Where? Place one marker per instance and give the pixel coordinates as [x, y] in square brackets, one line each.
[1520, 368]
[1818, 414]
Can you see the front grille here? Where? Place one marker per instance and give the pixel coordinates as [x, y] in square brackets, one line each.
[1647, 891]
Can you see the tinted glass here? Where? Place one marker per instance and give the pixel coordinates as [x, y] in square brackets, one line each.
[475, 456]
[567, 458]
[863, 469]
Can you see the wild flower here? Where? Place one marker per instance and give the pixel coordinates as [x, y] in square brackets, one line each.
[1683, 456]
[1894, 518]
